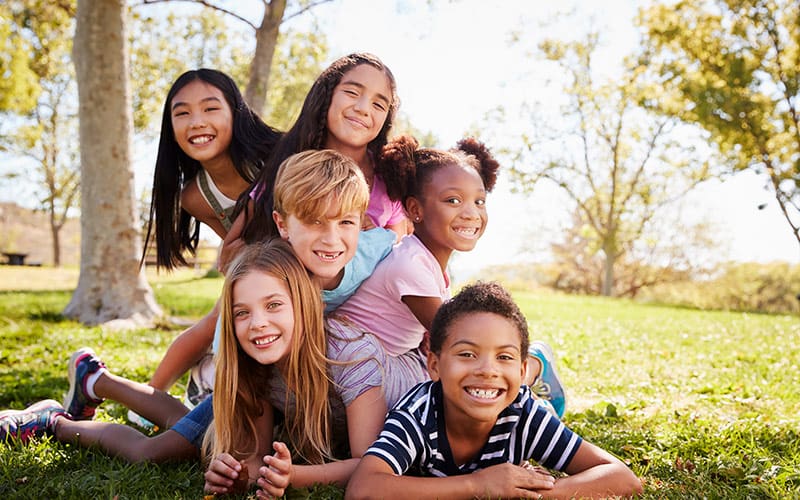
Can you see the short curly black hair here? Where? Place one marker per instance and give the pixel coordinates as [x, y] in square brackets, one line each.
[488, 297]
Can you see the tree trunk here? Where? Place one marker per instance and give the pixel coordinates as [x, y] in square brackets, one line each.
[266, 40]
[608, 274]
[111, 286]
[55, 231]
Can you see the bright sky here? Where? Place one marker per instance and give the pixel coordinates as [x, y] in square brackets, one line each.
[453, 63]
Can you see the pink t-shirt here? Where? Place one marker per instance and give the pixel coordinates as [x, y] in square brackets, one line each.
[377, 306]
[381, 209]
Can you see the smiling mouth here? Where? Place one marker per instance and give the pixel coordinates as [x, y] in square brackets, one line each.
[328, 256]
[467, 232]
[262, 341]
[357, 122]
[201, 139]
[483, 393]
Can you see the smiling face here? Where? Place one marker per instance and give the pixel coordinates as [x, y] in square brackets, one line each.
[263, 317]
[202, 122]
[451, 211]
[480, 367]
[358, 109]
[323, 245]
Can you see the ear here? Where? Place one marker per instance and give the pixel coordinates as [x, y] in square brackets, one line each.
[281, 223]
[433, 366]
[414, 209]
[524, 369]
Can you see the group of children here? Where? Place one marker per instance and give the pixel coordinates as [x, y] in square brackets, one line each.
[339, 355]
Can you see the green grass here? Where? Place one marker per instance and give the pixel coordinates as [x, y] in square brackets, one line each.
[699, 404]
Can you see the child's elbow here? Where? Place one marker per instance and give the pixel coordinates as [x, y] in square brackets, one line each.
[630, 485]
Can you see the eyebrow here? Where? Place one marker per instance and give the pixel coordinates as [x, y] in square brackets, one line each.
[269, 296]
[204, 100]
[362, 87]
[473, 344]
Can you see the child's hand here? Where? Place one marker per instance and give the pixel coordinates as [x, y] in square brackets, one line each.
[223, 472]
[514, 481]
[276, 475]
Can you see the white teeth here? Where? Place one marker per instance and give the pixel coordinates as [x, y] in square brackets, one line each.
[328, 256]
[266, 340]
[467, 231]
[202, 139]
[484, 393]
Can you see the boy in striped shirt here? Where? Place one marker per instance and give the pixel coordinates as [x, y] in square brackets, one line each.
[471, 430]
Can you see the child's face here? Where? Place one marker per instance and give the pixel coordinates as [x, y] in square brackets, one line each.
[480, 367]
[452, 210]
[358, 109]
[263, 317]
[324, 246]
[202, 121]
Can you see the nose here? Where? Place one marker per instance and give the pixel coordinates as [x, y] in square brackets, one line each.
[258, 320]
[486, 366]
[197, 121]
[470, 211]
[329, 232]
[361, 105]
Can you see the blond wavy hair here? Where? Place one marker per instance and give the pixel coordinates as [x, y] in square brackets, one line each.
[241, 387]
[308, 184]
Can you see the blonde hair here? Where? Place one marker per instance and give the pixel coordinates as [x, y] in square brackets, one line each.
[308, 184]
[241, 386]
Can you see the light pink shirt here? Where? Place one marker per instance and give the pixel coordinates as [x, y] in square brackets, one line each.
[410, 269]
[381, 209]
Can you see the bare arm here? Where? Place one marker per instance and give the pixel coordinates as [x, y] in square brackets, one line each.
[185, 351]
[595, 473]
[233, 241]
[424, 308]
[193, 202]
[365, 417]
[499, 481]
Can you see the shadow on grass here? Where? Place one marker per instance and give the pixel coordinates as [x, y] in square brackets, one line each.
[23, 387]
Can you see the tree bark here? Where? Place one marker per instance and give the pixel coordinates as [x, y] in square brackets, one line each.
[111, 286]
[266, 41]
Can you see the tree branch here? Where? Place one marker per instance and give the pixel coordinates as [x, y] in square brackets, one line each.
[209, 5]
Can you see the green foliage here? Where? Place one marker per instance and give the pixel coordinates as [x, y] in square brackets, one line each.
[699, 404]
[772, 288]
[733, 67]
[619, 165]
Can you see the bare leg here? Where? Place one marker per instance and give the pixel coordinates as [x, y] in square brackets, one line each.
[125, 442]
[155, 405]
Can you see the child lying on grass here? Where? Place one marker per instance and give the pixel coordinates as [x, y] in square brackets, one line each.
[472, 430]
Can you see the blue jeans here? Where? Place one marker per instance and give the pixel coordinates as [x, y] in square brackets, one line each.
[193, 426]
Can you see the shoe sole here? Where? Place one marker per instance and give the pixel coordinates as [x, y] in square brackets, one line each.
[551, 359]
[73, 361]
[40, 405]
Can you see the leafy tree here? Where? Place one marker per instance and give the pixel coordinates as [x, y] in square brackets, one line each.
[42, 128]
[617, 163]
[266, 35]
[111, 286]
[733, 68]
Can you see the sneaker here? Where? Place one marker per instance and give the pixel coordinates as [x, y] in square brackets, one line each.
[140, 421]
[83, 363]
[201, 381]
[547, 385]
[34, 421]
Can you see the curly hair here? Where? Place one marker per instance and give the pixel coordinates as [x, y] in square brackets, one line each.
[252, 142]
[310, 131]
[479, 297]
[406, 168]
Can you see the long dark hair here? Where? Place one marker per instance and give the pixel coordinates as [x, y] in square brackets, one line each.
[310, 131]
[251, 145]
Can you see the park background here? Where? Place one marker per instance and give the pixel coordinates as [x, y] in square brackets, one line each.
[700, 400]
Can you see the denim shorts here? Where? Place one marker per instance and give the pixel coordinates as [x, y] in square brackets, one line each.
[194, 424]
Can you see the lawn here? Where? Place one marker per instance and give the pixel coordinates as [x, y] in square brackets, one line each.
[699, 404]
